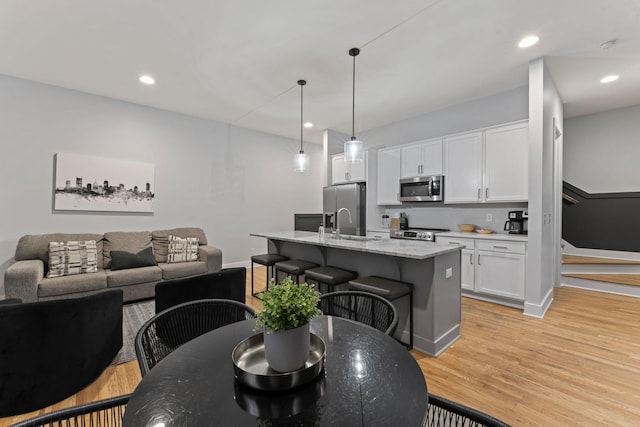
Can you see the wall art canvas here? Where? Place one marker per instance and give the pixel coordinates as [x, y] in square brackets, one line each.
[88, 183]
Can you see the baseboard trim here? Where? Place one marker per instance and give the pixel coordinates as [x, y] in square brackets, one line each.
[539, 310]
[245, 264]
[609, 288]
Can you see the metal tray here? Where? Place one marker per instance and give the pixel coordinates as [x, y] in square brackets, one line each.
[251, 368]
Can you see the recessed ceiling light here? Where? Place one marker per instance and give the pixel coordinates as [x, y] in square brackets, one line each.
[609, 78]
[148, 80]
[528, 41]
[308, 125]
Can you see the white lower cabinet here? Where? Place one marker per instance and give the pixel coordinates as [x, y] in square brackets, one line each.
[491, 267]
[500, 274]
[467, 266]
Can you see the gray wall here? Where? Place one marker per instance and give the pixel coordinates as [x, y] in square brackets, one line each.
[228, 180]
[504, 107]
[601, 151]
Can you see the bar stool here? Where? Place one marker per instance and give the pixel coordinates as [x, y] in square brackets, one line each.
[268, 260]
[389, 289]
[294, 267]
[329, 276]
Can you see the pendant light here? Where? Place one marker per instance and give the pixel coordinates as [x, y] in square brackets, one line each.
[301, 160]
[353, 149]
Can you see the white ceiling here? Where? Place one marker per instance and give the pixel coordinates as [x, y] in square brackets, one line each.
[238, 61]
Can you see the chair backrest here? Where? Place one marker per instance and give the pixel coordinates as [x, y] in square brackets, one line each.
[446, 413]
[103, 413]
[228, 283]
[363, 307]
[50, 350]
[171, 328]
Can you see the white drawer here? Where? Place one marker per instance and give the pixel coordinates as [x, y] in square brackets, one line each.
[502, 246]
[444, 240]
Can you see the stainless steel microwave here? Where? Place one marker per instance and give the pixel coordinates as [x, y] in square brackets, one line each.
[422, 189]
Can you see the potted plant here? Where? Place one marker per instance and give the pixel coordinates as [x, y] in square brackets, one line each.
[287, 310]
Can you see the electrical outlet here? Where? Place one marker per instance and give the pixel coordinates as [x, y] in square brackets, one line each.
[489, 217]
[448, 273]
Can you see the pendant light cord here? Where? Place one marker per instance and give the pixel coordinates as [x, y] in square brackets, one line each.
[353, 52]
[301, 83]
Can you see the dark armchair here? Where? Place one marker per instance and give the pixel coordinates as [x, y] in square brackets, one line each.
[50, 350]
[228, 283]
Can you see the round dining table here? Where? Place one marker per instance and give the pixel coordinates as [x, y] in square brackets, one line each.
[369, 379]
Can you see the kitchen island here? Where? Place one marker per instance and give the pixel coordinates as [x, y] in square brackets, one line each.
[434, 271]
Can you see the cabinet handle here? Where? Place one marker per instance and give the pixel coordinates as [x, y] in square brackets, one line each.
[486, 193]
[500, 247]
[471, 259]
[478, 259]
[479, 190]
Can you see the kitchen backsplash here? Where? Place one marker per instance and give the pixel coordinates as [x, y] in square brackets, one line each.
[449, 216]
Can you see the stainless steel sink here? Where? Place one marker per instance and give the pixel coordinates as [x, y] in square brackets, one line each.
[352, 237]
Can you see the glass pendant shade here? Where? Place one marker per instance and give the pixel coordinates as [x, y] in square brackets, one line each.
[301, 162]
[353, 151]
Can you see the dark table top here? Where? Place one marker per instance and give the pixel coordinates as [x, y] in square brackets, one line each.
[368, 380]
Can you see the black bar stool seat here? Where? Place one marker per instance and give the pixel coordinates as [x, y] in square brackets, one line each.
[389, 289]
[295, 267]
[268, 260]
[329, 276]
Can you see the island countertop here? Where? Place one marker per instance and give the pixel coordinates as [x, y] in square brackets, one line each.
[393, 247]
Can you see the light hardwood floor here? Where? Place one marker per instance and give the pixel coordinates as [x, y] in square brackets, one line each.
[579, 366]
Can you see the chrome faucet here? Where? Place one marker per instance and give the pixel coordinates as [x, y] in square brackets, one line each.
[338, 220]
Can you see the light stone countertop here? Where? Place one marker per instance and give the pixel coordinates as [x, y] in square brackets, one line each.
[392, 247]
[492, 236]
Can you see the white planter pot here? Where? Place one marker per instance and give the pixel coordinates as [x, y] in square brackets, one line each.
[287, 351]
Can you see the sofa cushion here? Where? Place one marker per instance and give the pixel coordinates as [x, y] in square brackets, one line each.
[182, 250]
[182, 269]
[161, 239]
[72, 257]
[36, 246]
[134, 276]
[65, 285]
[130, 241]
[121, 260]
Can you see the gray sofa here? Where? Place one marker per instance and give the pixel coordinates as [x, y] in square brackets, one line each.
[26, 278]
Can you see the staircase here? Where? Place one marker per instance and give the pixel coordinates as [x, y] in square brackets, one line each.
[615, 275]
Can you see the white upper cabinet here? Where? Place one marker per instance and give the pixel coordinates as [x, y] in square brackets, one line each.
[506, 159]
[342, 172]
[487, 166]
[389, 177]
[463, 168]
[422, 159]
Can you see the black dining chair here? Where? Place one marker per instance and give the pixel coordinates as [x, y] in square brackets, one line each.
[103, 413]
[363, 307]
[171, 328]
[446, 413]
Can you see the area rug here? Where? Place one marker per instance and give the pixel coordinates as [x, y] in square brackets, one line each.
[133, 317]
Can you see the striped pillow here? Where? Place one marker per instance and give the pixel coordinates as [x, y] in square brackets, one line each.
[182, 250]
[67, 258]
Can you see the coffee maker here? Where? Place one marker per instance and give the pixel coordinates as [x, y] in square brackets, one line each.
[517, 223]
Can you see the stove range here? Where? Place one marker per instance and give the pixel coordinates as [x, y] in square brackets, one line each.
[425, 234]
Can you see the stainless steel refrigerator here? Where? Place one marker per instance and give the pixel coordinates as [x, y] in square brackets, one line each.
[351, 197]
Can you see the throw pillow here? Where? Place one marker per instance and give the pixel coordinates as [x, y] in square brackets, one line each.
[121, 260]
[182, 250]
[72, 257]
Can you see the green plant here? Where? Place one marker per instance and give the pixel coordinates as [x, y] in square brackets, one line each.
[287, 305]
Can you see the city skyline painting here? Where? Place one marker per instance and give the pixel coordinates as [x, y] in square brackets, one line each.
[89, 183]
